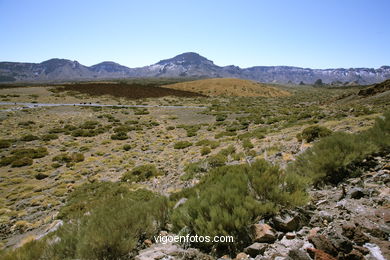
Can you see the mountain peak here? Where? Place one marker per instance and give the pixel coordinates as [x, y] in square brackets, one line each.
[187, 58]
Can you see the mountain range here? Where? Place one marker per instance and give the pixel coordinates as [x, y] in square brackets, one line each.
[188, 64]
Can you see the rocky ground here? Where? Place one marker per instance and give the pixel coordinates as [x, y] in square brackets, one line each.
[350, 221]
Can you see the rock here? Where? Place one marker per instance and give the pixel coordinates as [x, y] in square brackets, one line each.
[342, 244]
[296, 254]
[355, 234]
[290, 235]
[361, 249]
[356, 193]
[354, 255]
[242, 256]
[323, 243]
[148, 242]
[287, 222]
[256, 249]
[325, 215]
[317, 254]
[314, 231]
[180, 202]
[263, 233]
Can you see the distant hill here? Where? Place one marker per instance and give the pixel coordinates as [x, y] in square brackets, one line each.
[228, 87]
[375, 89]
[188, 64]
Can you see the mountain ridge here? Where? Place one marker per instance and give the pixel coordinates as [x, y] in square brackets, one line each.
[189, 64]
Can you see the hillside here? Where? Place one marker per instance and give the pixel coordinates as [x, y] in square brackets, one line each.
[229, 87]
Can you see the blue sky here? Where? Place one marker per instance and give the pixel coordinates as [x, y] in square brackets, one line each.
[305, 33]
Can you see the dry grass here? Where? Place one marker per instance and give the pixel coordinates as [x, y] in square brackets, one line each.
[229, 87]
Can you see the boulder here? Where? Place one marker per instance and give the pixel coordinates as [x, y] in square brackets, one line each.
[355, 234]
[342, 244]
[354, 255]
[242, 256]
[323, 243]
[256, 249]
[296, 254]
[356, 193]
[263, 233]
[317, 254]
[287, 221]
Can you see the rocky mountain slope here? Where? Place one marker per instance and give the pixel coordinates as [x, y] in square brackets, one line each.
[188, 64]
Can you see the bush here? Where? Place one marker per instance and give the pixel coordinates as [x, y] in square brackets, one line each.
[24, 161]
[230, 198]
[205, 150]
[192, 170]
[247, 144]
[119, 136]
[312, 133]
[5, 143]
[206, 142]
[217, 160]
[126, 147]
[220, 117]
[141, 173]
[29, 138]
[182, 144]
[49, 137]
[68, 158]
[336, 157]
[23, 157]
[117, 220]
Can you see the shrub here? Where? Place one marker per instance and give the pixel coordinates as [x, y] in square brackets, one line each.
[5, 143]
[26, 123]
[66, 158]
[126, 147]
[220, 117]
[29, 138]
[24, 161]
[312, 133]
[206, 142]
[217, 160]
[205, 150]
[141, 173]
[225, 133]
[329, 160]
[119, 136]
[247, 144]
[77, 157]
[182, 144]
[230, 198]
[118, 218]
[49, 137]
[192, 170]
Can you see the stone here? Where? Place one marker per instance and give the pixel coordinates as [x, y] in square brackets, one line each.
[263, 233]
[242, 256]
[256, 249]
[317, 254]
[290, 235]
[342, 244]
[355, 234]
[361, 249]
[314, 231]
[148, 242]
[287, 222]
[323, 243]
[354, 255]
[180, 202]
[296, 254]
[356, 193]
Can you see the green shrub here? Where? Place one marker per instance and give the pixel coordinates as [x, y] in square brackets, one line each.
[117, 220]
[206, 142]
[29, 138]
[126, 147]
[141, 173]
[119, 136]
[220, 117]
[49, 137]
[193, 170]
[329, 160]
[217, 160]
[247, 144]
[228, 150]
[182, 144]
[205, 150]
[77, 157]
[312, 133]
[225, 133]
[24, 161]
[169, 128]
[230, 198]
[30, 251]
[26, 123]
[68, 158]
[5, 143]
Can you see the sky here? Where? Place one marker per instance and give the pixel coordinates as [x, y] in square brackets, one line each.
[303, 33]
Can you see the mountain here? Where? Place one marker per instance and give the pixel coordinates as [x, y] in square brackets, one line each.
[188, 64]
